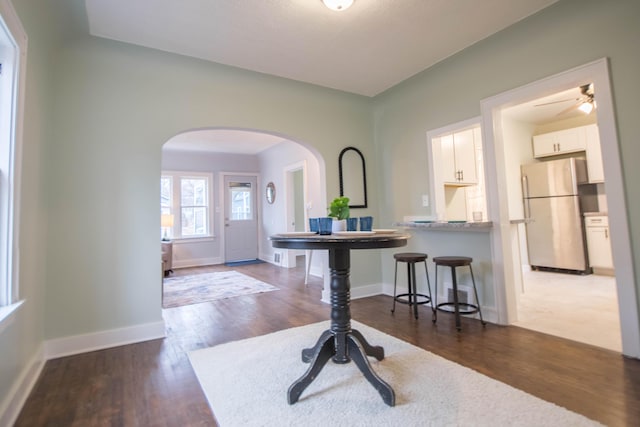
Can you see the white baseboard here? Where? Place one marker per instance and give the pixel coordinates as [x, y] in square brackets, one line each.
[19, 392]
[99, 340]
[196, 262]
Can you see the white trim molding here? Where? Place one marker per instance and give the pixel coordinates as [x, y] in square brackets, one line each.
[83, 343]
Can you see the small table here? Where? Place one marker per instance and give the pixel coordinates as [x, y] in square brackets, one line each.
[340, 342]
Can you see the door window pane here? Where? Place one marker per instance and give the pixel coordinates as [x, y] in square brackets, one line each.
[240, 196]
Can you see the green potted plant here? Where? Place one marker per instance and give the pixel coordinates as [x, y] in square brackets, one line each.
[339, 211]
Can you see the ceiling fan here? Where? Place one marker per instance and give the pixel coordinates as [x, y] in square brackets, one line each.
[585, 103]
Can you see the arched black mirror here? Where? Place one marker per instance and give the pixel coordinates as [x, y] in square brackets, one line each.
[271, 192]
[353, 177]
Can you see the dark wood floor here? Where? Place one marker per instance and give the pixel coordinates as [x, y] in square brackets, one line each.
[152, 383]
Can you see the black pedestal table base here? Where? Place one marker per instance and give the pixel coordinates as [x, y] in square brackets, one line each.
[340, 343]
[357, 350]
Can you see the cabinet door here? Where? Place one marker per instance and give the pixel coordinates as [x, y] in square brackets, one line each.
[448, 158]
[559, 142]
[544, 145]
[594, 155]
[599, 246]
[570, 140]
[465, 156]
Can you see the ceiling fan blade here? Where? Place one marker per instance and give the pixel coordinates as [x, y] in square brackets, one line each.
[571, 108]
[556, 102]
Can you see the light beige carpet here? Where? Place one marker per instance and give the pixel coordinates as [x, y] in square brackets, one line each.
[246, 384]
[198, 288]
[578, 308]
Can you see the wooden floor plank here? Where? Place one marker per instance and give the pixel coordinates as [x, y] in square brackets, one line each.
[152, 383]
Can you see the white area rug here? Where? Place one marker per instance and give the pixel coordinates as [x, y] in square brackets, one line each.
[246, 384]
[197, 288]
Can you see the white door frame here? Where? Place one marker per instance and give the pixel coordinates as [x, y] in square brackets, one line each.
[289, 199]
[505, 269]
[222, 208]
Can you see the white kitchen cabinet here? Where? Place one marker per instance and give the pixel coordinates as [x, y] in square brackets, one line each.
[594, 154]
[598, 242]
[582, 138]
[459, 158]
[559, 142]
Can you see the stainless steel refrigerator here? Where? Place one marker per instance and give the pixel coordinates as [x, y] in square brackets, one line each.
[555, 231]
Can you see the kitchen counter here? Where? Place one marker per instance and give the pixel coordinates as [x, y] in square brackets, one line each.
[447, 226]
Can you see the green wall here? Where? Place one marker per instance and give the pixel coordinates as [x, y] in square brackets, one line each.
[563, 36]
[98, 111]
[116, 104]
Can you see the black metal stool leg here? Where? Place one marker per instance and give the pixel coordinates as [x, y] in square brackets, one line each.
[456, 303]
[413, 288]
[395, 282]
[475, 291]
[426, 273]
[434, 318]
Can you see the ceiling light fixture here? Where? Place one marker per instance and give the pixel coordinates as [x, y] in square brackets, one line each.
[586, 107]
[338, 5]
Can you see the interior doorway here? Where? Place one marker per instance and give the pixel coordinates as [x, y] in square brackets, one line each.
[505, 235]
[581, 307]
[296, 202]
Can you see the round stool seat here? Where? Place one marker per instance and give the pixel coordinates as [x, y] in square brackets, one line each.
[410, 257]
[453, 261]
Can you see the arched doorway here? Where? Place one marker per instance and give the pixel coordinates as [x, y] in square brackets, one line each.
[220, 153]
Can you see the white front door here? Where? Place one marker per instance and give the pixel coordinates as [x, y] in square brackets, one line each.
[240, 218]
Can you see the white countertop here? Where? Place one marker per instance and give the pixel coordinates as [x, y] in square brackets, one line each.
[447, 226]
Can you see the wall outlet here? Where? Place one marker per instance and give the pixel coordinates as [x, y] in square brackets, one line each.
[276, 257]
[425, 200]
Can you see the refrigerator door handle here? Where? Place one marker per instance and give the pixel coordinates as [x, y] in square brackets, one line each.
[525, 187]
[527, 209]
[525, 192]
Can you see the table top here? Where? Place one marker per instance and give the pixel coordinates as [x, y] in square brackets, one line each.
[339, 241]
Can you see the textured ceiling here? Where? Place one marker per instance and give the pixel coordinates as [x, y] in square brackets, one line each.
[366, 49]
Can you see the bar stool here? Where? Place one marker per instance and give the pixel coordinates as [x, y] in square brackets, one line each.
[453, 262]
[412, 297]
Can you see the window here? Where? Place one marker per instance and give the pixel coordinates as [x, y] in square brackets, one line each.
[12, 52]
[186, 196]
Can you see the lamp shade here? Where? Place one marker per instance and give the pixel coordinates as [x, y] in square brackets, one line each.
[166, 220]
